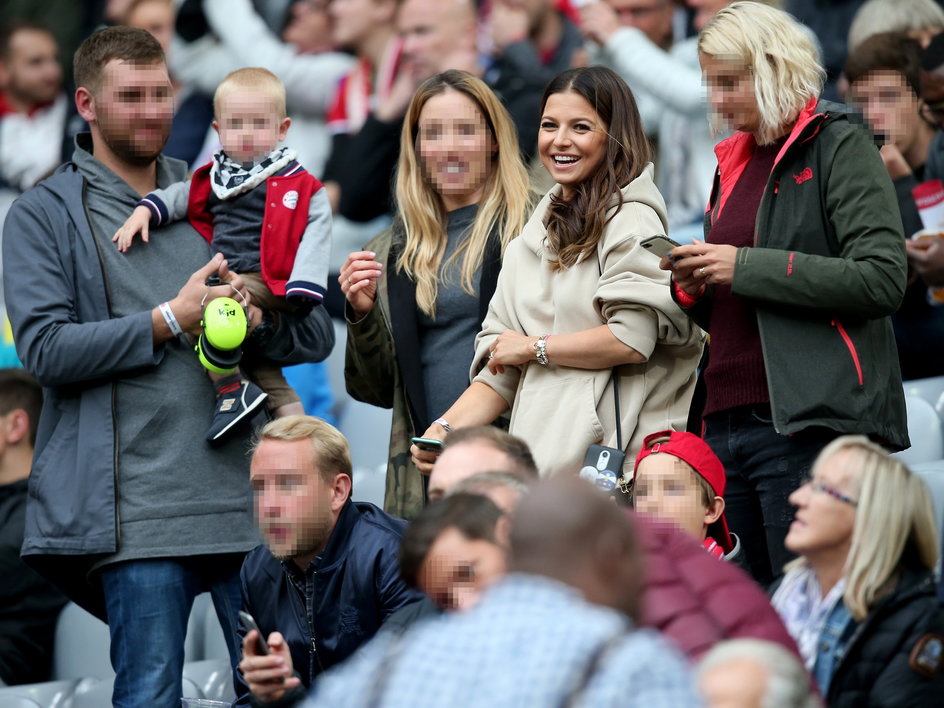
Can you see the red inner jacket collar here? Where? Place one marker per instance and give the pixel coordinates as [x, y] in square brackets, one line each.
[735, 152]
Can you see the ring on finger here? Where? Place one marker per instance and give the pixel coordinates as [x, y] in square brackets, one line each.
[702, 270]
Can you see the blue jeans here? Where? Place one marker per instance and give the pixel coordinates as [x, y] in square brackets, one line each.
[148, 604]
[763, 468]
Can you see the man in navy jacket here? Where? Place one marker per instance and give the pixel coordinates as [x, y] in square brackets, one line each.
[328, 575]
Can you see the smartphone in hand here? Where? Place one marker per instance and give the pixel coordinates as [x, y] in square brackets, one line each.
[250, 623]
[659, 245]
[428, 444]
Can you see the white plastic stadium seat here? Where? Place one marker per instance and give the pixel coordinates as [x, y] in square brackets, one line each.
[213, 677]
[335, 364]
[930, 389]
[933, 475]
[49, 694]
[98, 696]
[370, 484]
[367, 429]
[81, 646]
[17, 702]
[924, 429]
[213, 645]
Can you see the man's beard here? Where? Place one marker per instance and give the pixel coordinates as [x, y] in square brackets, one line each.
[309, 541]
[126, 149]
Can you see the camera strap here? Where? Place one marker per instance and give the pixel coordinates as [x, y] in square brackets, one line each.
[623, 484]
[615, 378]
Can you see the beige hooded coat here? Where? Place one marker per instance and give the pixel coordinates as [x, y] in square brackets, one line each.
[559, 411]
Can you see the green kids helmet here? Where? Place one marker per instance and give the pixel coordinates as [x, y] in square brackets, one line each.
[224, 329]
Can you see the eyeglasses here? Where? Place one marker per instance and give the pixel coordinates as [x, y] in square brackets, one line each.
[818, 486]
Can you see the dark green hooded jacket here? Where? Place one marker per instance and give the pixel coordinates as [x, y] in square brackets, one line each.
[827, 270]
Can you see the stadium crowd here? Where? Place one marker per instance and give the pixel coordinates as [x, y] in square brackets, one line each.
[648, 287]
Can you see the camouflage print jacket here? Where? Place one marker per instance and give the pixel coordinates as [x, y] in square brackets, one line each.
[382, 364]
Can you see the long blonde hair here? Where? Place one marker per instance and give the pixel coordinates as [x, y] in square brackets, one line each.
[894, 526]
[506, 198]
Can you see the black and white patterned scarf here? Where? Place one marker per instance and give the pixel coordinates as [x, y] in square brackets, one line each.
[229, 178]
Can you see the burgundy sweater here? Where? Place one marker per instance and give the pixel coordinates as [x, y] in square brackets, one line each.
[735, 375]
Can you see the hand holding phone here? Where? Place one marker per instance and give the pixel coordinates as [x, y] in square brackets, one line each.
[659, 245]
[250, 624]
[428, 444]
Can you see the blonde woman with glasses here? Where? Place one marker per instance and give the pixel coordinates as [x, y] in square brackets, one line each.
[417, 295]
[860, 600]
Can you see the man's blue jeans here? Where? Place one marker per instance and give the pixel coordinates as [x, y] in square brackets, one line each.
[148, 604]
[763, 468]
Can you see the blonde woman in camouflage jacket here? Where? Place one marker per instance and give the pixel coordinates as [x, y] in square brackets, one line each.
[417, 295]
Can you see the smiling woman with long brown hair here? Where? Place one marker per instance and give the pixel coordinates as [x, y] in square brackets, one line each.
[581, 307]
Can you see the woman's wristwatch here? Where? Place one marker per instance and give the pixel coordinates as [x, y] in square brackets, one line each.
[540, 349]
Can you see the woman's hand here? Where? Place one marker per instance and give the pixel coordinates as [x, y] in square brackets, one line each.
[425, 459]
[510, 349]
[686, 278]
[699, 264]
[358, 281]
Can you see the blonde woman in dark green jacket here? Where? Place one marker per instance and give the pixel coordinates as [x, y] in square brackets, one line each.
[802, 266]
[417, 294]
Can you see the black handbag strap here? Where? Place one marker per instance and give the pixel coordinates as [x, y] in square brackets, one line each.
[615, 378]
[619, 420]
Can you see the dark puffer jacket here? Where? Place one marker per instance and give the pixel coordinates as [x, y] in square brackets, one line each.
[697, 600]
[876, 670]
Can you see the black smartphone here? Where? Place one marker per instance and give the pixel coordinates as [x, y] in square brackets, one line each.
[250, 623]
[659, 245]
[428, 444]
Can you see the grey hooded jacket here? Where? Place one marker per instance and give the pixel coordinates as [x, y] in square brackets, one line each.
[57, 296]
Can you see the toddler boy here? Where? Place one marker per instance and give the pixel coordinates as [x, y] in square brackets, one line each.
[268, 217]
[679, 478]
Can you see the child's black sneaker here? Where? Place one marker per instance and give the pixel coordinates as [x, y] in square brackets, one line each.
[236, 404]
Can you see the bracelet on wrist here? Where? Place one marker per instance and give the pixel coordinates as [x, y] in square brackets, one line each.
[540, 349]
[444, 424]
[170, 319]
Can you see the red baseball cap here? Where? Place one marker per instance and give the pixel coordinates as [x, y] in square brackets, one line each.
[694, 451]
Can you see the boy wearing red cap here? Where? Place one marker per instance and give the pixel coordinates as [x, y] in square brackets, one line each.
[678, 477]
